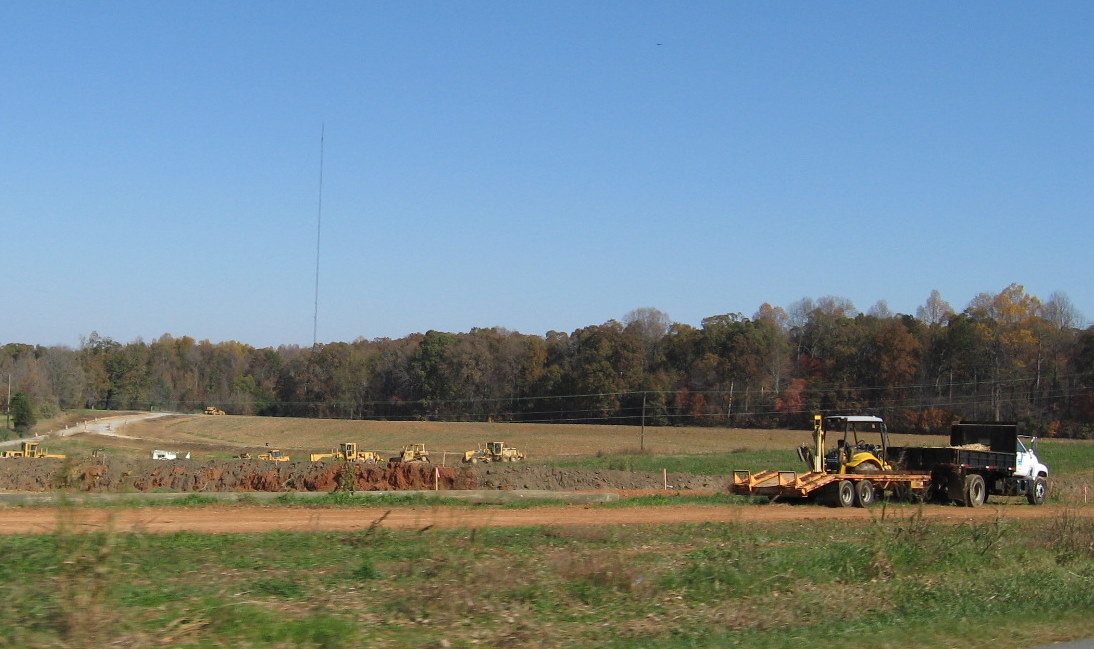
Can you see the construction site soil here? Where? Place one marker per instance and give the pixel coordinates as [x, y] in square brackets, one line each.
[117, 475]
[121, 475]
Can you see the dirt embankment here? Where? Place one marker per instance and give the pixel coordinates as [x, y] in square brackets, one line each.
[120, 475]
[125, 475]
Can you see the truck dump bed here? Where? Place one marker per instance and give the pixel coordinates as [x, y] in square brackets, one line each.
[995, 448]
[917, 458]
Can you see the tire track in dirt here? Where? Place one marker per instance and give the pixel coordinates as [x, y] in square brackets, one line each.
[245, 518]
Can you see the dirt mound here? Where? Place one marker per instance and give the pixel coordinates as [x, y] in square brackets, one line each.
[121, 475]
[124, 475]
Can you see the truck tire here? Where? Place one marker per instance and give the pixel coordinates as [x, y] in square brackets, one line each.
[865, 494]
[976, 490]
[845, 493]
[1038, 491]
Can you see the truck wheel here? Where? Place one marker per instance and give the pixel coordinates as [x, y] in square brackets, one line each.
[976, 491]
[845, 493]
[1038, 493]
[865, 495]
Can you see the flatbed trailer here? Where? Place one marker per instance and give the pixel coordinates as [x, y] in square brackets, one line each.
[835, 489]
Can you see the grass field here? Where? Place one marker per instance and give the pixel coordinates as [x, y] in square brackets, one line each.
[222, 436]
[895, 583]
[901, 581]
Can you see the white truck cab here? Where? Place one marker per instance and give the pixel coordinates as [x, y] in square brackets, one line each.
[1027, 464]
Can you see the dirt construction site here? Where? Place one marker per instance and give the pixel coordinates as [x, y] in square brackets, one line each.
[113, 456]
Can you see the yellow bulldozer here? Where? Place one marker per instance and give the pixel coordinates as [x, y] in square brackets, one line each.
[349, 452]
[29, 449]
[412, 453]
[213, 410]
[272, 455]
[493, 452]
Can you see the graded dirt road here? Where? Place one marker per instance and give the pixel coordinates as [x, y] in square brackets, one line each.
[245, 518]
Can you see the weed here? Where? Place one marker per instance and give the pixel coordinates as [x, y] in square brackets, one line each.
[279, 587]
[594, 578]
[1071, 536]
[194, 500]
[87, 563]
[366, 570]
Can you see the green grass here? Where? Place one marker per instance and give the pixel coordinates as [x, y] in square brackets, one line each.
[700, 464]
[1065, 457]
[1062, 457]
[903, 582]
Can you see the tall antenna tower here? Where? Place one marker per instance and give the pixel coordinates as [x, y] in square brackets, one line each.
[318, 234]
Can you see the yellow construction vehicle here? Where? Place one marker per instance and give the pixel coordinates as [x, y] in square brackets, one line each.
[274, 455]
[412, 453]
[29, 449]
[349, 452]
[853, 453]
[854, 473]
[493, 452]
[213, 410]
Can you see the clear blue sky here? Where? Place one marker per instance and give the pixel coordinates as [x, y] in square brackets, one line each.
[531, 165]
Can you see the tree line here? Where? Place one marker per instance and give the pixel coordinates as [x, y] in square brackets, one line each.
[1006, 356]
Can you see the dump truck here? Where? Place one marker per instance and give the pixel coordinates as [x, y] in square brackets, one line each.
[493, 452]
[854, 472]
[170, 455]
[412, 453]
[984, 458]
[30, 449]
[349, 452]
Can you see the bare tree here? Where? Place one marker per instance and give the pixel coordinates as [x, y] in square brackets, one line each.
[935, 310]
[1061, 312]
[880, 310]
[649, 323]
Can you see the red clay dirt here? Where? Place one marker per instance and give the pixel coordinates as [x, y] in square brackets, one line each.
[119, 474]
[222, 519]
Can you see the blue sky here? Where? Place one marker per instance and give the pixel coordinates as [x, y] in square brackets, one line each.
[531, 165]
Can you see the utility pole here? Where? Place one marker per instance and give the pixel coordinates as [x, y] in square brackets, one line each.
[9, 402]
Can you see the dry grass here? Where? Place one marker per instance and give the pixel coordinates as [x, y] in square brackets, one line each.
[228, 434]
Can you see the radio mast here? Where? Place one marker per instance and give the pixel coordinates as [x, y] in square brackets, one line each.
[318, 234]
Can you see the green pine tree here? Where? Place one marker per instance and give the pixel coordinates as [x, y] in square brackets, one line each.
[22, 412]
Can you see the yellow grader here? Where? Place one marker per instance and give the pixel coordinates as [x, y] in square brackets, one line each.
[29, 449]
[349, 452]
[493, 452]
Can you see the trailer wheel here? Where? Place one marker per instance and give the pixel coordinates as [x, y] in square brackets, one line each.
[976, 491]
[865, 495]
[845, 493]
[1038, 493]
